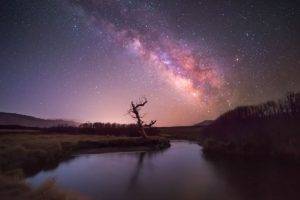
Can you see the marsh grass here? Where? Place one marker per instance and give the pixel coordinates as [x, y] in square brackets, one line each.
[33, 152]
[24, 154]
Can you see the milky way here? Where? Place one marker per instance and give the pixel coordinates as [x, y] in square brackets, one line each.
[175, 62]
[193, 60]
[143, 32]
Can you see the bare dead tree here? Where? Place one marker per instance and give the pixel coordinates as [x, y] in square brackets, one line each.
[134, 112]
[150, 124]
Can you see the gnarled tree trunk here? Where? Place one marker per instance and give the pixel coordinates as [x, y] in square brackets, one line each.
[134, 111]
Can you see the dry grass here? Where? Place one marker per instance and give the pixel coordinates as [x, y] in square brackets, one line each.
[26, 150]
[28, 153]
[32, 152]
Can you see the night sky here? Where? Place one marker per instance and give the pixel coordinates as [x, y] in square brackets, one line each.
[87, 59]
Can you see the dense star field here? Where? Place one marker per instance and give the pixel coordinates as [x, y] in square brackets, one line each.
[193, 60]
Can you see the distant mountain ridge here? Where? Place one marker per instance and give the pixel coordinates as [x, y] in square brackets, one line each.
[30, 121]
[204, 123]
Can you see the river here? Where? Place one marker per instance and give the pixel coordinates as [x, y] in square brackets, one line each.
[179, 172]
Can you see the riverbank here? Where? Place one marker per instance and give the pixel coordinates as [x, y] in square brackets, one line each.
[24, 154]
[15, 188]
[32, 152]
[166, 175]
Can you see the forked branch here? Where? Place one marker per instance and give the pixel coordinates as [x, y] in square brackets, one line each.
[134, 112]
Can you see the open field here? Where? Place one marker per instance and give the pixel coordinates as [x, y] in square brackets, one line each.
[192, 133]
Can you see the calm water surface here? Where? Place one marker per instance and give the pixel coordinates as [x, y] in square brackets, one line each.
[180, 172]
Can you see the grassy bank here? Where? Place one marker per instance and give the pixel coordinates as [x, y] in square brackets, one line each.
[15, 188]
[24, 154]
[33, 152]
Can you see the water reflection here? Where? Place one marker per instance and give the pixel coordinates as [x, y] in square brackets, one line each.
[135, 175]
[260, 179]
[32, 170]
[141, 156]
[180, 172]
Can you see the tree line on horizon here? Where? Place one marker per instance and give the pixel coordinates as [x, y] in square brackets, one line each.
[140, 128]
[287, 108]
[101, 128]
[98, 128]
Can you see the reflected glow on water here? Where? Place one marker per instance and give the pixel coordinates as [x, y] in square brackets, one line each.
[180, 172]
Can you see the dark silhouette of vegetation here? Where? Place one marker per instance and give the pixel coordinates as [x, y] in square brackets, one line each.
[99, 128]
[18, 127]
[270, 128]
[134, 112]
[109, 129]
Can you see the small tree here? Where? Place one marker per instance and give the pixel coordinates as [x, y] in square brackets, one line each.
[134, 112]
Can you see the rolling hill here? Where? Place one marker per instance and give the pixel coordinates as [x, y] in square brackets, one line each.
[204, 123]
[30, 121]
